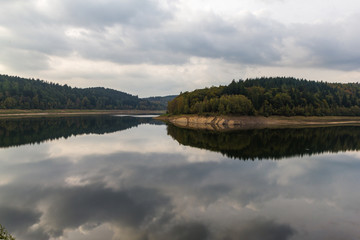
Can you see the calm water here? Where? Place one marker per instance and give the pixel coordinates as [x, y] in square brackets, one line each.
[136, 178]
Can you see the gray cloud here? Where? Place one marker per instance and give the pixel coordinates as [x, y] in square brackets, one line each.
[260, 229]
[253, 229]
[137, 13]
[15, 218]
[22, 59]
[34, 36]
[249, 41]
[144, 31]
[331, 45]
[189, 231]
[92, 13]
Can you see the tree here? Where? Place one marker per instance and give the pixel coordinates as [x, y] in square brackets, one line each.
[10, 102]
[21, 93]
[85, 103]
[273, 96]
[4, 235]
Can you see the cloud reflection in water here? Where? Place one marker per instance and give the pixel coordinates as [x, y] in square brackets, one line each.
[158, 193]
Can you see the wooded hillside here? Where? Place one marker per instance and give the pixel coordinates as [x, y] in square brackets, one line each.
[21, 93]
[271, 96]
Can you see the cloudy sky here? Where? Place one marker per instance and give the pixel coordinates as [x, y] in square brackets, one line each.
[161, 47]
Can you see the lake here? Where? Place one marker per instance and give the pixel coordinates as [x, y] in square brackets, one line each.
[124, 177]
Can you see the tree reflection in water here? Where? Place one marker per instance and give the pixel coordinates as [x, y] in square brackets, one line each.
[140, 184]
[16, 132]
[270, 143]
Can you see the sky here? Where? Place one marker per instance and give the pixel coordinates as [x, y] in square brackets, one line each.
[162, 47]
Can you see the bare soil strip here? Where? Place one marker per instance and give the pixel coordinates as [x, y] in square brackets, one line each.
[223, 123]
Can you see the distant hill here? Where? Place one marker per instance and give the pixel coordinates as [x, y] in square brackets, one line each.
[271, 96]
[162, 102]
[22, 93]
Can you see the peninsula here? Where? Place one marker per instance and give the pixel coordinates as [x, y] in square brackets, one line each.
[266, 102]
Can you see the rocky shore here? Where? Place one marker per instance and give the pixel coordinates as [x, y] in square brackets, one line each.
[223, 123]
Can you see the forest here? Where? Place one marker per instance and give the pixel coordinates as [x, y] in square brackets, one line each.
[21, 93]
[283, 96]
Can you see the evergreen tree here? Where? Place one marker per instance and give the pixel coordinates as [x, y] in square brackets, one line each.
[21, 93]
[272, 96]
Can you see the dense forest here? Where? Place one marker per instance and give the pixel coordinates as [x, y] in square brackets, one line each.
[21, 93]
[270, 143]
[271, 96]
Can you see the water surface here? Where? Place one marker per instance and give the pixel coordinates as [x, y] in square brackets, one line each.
[121, 177]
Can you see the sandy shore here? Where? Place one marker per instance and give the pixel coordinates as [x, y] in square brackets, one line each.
[53, 113]
[223, 123]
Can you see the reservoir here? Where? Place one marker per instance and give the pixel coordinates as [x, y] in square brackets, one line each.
[131, 177]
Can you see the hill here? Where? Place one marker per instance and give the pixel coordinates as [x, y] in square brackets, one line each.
[271, 96]
[162, 102]
[22, 93]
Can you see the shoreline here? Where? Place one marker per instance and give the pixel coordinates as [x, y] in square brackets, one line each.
[17, 113]
[229, 123]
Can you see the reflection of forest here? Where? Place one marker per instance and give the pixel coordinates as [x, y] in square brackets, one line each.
[14, 132]
[271, 143]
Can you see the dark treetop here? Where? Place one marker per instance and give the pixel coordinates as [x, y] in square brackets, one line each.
[271, 96]
[21, 93]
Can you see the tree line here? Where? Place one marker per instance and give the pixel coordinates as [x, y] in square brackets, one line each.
[21, 93]
[283, 96]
